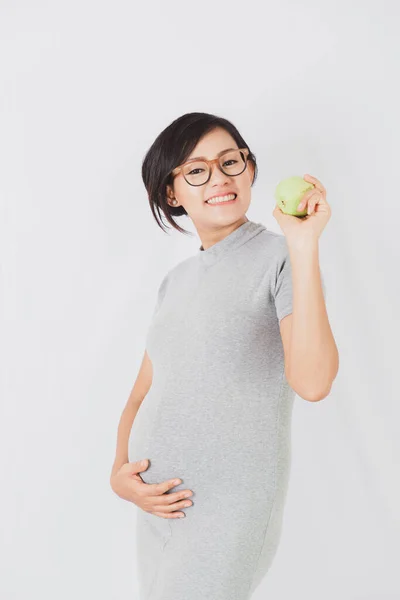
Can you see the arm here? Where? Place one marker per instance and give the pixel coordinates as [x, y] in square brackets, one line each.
[139, 391]
[311, 355]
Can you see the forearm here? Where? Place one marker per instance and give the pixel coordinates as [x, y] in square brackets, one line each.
[124, 429]
[313, 357]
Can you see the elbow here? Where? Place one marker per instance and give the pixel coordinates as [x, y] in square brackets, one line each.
[317, 396]
[311, 394]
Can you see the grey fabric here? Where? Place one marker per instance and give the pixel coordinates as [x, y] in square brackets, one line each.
[218, 416]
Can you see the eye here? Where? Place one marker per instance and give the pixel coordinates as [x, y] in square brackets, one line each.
[193, 170]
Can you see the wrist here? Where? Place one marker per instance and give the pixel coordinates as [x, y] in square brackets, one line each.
[303, 246]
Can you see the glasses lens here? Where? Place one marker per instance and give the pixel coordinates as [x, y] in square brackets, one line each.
[196, 172]
[232, 163]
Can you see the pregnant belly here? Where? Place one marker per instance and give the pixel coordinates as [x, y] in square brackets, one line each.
[215, 448]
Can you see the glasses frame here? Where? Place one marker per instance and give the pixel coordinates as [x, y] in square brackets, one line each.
[178, 169]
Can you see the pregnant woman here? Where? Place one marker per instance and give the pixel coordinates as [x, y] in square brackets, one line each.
[237, 329]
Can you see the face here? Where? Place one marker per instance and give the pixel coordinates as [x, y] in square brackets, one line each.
[207, 217]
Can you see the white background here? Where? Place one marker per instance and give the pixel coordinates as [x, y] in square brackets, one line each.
[85, 89]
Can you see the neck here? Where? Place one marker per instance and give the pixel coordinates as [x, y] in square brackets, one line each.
[209, 238]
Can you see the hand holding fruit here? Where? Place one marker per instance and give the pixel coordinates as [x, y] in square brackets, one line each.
[151, 497]
[301, 208]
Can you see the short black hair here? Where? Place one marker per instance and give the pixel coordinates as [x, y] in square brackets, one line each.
[171, 148]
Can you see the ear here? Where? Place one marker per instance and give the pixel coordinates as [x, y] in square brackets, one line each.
[251, 169]
[170, 196]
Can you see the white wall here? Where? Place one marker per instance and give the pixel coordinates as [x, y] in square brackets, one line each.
[85, 89]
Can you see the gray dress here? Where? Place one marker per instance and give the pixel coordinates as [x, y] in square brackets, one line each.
[218, 417]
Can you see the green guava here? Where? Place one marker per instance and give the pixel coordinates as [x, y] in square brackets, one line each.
[288, 194]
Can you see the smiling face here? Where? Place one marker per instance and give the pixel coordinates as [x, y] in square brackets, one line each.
[193, 198]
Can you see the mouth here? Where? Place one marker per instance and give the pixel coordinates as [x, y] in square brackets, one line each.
[222, 200]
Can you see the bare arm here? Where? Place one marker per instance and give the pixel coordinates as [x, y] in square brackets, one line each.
[311, 354]
[136, 397]
[155, 498]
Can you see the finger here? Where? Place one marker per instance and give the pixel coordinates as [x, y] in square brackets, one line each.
[171, 507]
[314, 200]
[168, 499]
[314, 196]
[175, 496]
[157, 489]
[134, 467]
[316, 182]
[175, 515]
[305, 199]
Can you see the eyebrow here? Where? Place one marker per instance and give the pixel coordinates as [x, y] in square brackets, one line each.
[219, 154]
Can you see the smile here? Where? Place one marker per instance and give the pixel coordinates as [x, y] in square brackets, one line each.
[222, 199]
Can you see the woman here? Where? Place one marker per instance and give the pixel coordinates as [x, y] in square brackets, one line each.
[237, 330]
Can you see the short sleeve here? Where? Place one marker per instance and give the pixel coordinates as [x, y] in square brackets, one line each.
[160, 295]
[283, 292]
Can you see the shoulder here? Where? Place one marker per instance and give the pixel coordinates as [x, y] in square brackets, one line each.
[181, 268]
[274, 240]
[177, 272]
[271, 246]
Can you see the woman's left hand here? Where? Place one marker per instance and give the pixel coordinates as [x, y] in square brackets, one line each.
[308, 228]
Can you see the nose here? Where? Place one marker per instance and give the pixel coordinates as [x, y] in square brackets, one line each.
[217, 175]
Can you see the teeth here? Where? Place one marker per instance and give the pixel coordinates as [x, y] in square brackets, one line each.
[221, 199]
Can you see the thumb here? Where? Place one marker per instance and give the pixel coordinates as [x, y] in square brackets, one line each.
[139, 465]
[134, 467]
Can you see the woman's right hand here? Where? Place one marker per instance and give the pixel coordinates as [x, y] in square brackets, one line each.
[150, 497]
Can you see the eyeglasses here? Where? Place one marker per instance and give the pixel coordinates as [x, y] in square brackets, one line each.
[198, 172]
